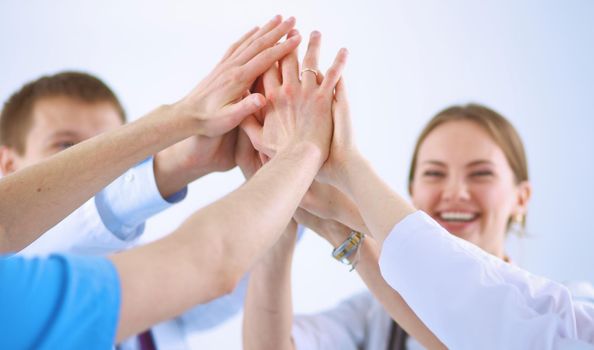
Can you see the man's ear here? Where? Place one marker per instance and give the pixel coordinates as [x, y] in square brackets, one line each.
[8, 160]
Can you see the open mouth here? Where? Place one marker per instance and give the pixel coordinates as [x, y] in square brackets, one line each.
[457, 216]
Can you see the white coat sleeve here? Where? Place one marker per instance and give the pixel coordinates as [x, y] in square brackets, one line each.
[472, 300]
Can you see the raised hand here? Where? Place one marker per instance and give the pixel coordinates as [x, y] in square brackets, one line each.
[219, 103]
[297, 110]
[343, 146]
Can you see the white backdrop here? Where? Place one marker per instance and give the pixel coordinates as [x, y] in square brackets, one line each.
[532, 61]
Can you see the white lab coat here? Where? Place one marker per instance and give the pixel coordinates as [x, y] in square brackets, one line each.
[472, 300]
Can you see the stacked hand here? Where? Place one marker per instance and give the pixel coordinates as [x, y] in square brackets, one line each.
[259, 84]
[298, 110]
[311, 108]
[219, 103]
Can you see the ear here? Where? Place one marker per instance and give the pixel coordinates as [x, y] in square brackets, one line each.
[523, 197]
[8, 160]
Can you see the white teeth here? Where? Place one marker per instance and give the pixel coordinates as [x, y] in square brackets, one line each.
[457, 216]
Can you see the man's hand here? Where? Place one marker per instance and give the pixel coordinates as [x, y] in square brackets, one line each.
[219, 103]
[298, 111]
[192, 158]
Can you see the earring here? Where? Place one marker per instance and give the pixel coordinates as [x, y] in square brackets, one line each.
[516, 224]
[518, 219]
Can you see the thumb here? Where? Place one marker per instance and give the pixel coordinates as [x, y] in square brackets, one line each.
[231, 115]
[255, 132]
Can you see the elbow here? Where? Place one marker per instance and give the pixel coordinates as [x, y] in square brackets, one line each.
[225, 281]
[5, 246]
[229, 284]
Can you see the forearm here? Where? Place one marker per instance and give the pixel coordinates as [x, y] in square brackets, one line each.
[210, 252]
[380, 207]
[368, 269]
[175, 167]
[268, 311]
[327, 202]
[39, 196]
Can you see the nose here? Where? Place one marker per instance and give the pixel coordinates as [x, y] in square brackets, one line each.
[455, 189]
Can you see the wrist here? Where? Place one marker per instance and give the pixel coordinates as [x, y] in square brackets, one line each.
[304, 150]
[353, 162]
[192, 119]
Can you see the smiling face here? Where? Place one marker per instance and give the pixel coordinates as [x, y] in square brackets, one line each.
[463, 179]
[58, 123]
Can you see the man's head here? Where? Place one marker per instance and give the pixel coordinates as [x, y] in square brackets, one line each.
[53, 113]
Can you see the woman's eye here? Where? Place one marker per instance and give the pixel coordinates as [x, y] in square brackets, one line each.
[481, 174]
[433, 173]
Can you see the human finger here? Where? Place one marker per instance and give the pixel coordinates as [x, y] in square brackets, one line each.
[309, 67]
[290, 64]
[265, 41]
[335, 71]
[266, 58]
[239, 42]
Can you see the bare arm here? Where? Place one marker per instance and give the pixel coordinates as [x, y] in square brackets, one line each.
[268, 311]
[368, 268]
[380, 207]
[208, 244]
[218, 244]
[38, 197]
[327, 202]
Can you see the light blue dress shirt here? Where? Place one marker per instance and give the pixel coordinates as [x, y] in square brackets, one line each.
[125, 204]
[58, 302]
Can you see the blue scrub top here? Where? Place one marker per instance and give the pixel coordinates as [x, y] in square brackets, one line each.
[59, 302]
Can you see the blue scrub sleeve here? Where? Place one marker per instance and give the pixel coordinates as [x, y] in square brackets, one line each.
[59, 302]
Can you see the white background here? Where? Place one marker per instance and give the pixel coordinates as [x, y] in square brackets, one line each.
[530, 60]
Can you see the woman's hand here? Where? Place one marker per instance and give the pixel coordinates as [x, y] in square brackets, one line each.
[298, 111]
[220, 102]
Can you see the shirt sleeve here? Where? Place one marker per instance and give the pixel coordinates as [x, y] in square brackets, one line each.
[125, 204]
[342, 327]
[59, 302]
[472, 300]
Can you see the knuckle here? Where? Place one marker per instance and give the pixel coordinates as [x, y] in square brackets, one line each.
[259, 44]
[236, 76]
[288, 91]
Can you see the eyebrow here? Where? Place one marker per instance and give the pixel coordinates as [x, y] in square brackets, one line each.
[479, 162]
[471, 164]
[62, 133]
[434, 162]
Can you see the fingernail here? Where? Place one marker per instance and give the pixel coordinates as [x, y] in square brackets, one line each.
[344, 51]
[315, 34]
[276, 18]
[290, 20]
[294, 38]
[258, 101]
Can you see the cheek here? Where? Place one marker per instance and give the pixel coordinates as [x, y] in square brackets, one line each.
[35, 154]
[425, 197]
[495, 201]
